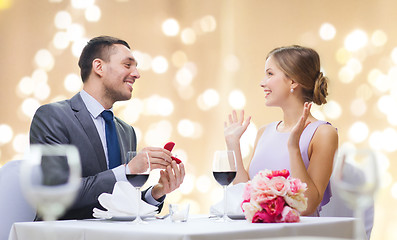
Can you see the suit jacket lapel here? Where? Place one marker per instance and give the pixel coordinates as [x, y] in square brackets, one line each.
[84, 117]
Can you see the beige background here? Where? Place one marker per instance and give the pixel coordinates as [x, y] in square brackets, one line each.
[227, 54]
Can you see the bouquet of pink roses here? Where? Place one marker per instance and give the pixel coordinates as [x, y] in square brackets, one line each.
[274, 196]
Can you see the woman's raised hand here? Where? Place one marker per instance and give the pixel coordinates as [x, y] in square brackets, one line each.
[236, 126]
[297, 130]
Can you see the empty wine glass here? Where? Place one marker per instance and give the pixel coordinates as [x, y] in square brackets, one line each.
[224, 171]
[50, 178]
[141, 162]
[356, 180]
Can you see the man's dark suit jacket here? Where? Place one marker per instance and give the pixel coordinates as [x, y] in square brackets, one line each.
[69, 122]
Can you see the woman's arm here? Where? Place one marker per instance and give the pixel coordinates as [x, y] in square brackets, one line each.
[233, 130]
[321, 154]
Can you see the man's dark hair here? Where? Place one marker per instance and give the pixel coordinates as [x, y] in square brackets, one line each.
[99, 47]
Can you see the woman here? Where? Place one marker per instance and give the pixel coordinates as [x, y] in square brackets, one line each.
[299, 142]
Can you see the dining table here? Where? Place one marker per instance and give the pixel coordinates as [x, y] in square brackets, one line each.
[197, 227]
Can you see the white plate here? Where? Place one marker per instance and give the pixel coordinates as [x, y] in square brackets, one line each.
[236, 216]
[129, 218]
[232, 216]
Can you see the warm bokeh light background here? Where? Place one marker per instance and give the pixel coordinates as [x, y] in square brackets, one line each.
[200, 59]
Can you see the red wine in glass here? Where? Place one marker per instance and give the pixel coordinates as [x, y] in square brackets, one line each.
[224, 178]
[224, 170]
[137, 180]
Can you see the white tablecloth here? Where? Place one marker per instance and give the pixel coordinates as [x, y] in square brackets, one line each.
[197, 228]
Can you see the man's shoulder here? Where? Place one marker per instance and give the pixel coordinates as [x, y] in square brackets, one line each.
[55, 106]
[63, 105]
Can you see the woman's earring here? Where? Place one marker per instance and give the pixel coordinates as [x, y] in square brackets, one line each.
[292, 90]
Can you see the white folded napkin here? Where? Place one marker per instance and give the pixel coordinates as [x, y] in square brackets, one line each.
[234, 200]
[122, 203]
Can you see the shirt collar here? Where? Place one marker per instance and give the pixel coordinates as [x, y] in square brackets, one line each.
[93, 106]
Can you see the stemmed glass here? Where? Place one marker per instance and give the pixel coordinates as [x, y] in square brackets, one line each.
[141, 161]
[224, 171]
[50, 178]
[356, 180]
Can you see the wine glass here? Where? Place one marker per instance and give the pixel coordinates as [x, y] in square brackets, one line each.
[356, 179]
[50, 178]
[224, 171]
[140, 160]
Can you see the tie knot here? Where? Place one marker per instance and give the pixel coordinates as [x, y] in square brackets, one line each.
[107, 115]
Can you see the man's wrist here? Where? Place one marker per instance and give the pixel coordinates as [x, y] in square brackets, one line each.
[157, 192]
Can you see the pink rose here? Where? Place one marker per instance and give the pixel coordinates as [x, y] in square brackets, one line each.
[296, 186]
[273, 207]
[276, 173]
[279, 186]
[263, 217]
[247, 191]
[262, 196]
[260, 184]
[260, 189]
[289, 215]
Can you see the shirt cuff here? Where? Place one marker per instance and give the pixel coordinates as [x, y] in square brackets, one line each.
[119, 173]
[150, 199]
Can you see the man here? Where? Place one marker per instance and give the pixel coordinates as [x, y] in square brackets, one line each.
[108, 72]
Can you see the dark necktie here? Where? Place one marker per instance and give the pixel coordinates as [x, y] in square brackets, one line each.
[114, 156]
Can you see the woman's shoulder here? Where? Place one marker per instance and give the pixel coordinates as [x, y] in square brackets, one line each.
[326, 130]
[326, 126]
